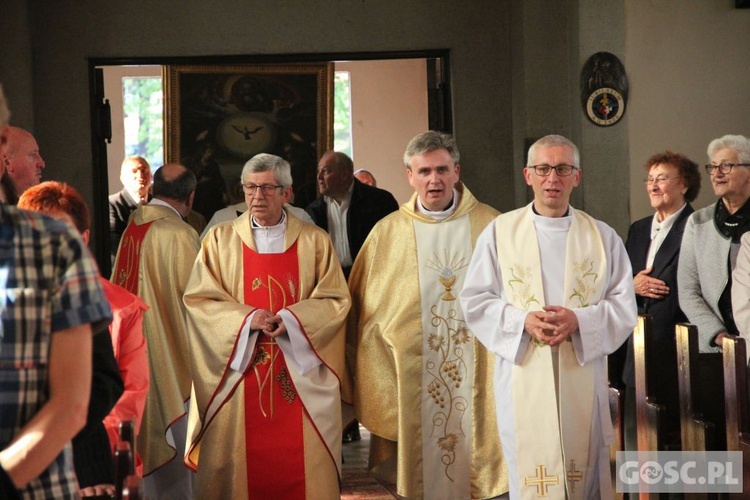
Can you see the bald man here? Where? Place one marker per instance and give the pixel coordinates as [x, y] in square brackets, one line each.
[22, 162]
[365, 177]
[135, 175]
[154, 261]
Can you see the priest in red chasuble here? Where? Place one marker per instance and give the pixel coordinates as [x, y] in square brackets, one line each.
[156, 254]
[266, 306]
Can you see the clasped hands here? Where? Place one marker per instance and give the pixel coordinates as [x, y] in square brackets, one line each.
[552, 326]
[269, 323]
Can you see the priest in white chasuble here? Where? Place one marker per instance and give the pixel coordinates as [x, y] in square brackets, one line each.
[266, 303]
[550, 292]
[423, 384]
[154, 261]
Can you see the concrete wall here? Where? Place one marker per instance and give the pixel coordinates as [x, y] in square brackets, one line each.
[515, 69]
[688, 67]
[63, 35]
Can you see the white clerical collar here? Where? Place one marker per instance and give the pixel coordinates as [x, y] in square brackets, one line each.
[162, 203]
[345, 201]
[664, 226]
[443, 214]
[269, 239]
[280, 225]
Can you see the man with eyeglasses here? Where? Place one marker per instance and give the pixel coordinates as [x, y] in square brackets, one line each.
[266, 302]
[422, 380]
[549, 291]
[154, 260]
[711, 244]
[231, 212]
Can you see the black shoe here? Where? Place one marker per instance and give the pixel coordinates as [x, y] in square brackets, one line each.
[351, 433]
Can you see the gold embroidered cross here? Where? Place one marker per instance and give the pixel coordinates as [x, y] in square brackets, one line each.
[574, 476]
[541, 481]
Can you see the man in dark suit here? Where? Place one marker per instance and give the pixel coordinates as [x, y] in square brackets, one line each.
[347, 209]
[135, 175]
[653, 246]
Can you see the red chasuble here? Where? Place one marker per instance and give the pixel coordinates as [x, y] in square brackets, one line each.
[273, 410]
[129, 257]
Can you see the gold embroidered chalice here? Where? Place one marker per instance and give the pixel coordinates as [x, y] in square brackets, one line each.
[447, 279]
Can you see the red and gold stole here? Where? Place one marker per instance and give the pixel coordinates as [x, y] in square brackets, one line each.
[129, 257]
[273, 410]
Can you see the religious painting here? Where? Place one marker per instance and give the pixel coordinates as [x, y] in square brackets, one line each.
[220, 116]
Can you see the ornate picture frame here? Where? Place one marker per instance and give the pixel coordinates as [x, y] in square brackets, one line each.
[219, 116]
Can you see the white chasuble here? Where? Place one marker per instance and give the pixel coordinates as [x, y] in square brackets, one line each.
[552, 439]
[443, 253]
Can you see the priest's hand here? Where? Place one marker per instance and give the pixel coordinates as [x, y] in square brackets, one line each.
[260, 319]
[565, 321]
[274, 326]
[646, 286]
[539, 326]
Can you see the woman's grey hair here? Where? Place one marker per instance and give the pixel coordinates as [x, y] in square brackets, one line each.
[429, 141]
[550, 141]
[4, 112]
[738, 143]
[263, 162]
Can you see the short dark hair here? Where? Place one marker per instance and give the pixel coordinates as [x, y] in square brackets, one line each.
[178, 188]
[52, 196]
[688, 169]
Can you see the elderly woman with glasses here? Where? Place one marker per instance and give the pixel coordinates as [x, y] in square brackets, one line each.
[653, 245]
[712, 241]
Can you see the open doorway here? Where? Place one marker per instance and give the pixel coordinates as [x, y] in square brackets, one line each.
[390, 100]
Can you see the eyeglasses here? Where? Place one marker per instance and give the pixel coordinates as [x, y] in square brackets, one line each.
[724, 167]
[544, 170]
[658, 179]
[265, 189]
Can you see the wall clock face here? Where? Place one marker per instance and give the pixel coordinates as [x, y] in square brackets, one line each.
[244, 135]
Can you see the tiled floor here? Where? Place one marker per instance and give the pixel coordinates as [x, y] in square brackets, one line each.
[357, 483]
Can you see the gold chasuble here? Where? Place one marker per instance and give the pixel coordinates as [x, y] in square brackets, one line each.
[154, 261]
[423, 383]
[553, 394]
[269, 427]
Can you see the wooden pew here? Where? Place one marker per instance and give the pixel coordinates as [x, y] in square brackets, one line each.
[127, 435]
[128, 486]
[132, 489]
[617, 410]
[651, 414]
[702, 418]
[737, 405]
[123, 464]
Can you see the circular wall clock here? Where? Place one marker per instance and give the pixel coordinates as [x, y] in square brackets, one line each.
[605, 106]
[244, 135]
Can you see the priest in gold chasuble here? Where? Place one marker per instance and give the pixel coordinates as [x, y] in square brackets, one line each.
[154, 260]
[549, 291]
[266, 303]
[423, 383]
